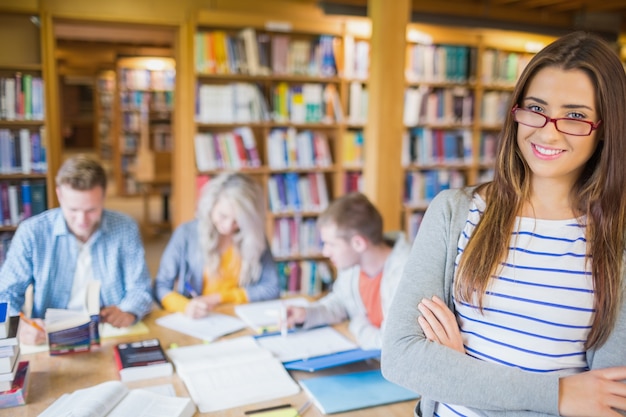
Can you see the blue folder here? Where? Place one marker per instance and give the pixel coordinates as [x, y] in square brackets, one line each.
[334, 359]
[353, 391]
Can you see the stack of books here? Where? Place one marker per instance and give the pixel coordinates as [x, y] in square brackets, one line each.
[13, 373]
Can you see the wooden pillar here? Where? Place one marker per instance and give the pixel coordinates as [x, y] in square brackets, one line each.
[184, 179]
[53, 116]
[382, 171]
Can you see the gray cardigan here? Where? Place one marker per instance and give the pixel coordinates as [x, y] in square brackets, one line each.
[442, 374]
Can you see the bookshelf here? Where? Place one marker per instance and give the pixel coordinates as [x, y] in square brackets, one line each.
[270, 103]
[454, 112]
[356, 57]
[104, 95]
[144, 107]
[24, 178]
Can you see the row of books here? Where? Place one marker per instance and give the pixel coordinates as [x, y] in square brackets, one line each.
[234, 149]
[353, 148]
[304, 277]
[245, 103]
[306, 103]
[23, 151]
[5, 242]
[21, 200]
[231, 103]
[354, 181]
[438, 106]
[440, 63]
[292, 192]
[295, 236]
[488, 146]
[246, 52]
[161, 137]
[356, 59]
[421, 187]
[22, 97]
[495, 107]
[414, 220]
[289, 148]
[357, 103]
[424, 146]
[503, 67]
[145, 79]
[156, 101]
[14, 373]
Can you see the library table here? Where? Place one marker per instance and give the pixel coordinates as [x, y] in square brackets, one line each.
[50, 377]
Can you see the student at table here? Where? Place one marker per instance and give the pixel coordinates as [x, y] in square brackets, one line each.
[369, 268]
[60, 250]
[222, 256]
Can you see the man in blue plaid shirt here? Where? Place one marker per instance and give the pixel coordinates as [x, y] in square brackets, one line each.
[59, 251]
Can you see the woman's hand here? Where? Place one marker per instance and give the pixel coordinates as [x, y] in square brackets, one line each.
[439, 323]
[596, 393]
[201, 306]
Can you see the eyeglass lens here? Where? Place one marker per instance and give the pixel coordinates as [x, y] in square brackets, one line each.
[567, 126]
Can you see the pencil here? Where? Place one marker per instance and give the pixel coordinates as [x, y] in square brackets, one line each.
[31, 322]
[263, 410]
[302, 409]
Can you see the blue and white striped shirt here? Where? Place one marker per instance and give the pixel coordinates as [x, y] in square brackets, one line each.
[43, 252]
[538, 308]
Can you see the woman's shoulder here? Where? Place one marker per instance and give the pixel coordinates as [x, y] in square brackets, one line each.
[455, 197]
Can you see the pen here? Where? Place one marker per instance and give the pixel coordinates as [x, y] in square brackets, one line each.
[31, 322]
[283, 320]
[302, 409]
[263, 410]
[190, 290]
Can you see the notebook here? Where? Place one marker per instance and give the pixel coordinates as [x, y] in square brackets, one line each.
[353, 391]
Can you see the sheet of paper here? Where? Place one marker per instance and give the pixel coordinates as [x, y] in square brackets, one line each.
[207, 328]
[265, 315]
[306, 344]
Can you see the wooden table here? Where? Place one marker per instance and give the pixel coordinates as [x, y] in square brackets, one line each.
[53, 376]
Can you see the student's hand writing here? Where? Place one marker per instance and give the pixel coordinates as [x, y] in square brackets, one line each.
[295, 315]
[439, 323]
[596, 393]
[30, 335]
[116, 317]
[201, 306]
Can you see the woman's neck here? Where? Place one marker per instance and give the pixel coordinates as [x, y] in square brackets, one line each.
[549, 200]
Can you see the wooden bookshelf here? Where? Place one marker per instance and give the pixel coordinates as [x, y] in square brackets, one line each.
[143, 106]
[495, 61]
[103, 104]
[289, 135]
[24, 148]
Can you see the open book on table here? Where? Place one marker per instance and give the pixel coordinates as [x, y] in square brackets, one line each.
[207, 328]
[113, 399]
[231, 373]
[72, 331]
[264, 316]
[315, 349]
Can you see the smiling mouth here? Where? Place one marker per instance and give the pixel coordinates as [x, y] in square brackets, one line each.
[546, 151]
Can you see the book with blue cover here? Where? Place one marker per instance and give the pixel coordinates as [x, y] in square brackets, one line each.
[332, 360]
[353, 391]
[4, 320]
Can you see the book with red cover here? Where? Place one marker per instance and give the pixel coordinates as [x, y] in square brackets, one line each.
[141, 360]
[18, 392]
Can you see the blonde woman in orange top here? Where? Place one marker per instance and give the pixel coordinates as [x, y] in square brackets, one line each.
[222, 256]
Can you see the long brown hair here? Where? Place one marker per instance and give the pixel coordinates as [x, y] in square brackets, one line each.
[600, 189]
